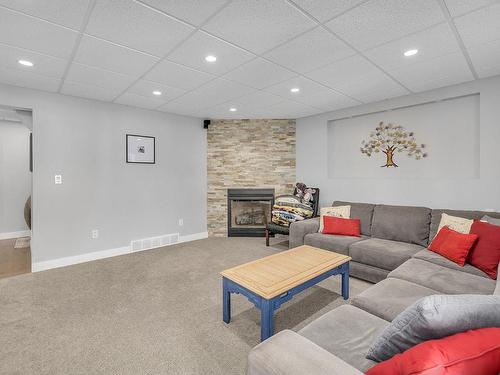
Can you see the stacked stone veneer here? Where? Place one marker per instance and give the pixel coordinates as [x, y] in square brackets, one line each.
[247, 154]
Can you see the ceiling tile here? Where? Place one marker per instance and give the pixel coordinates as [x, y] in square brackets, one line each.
[258, 25]
[312, 94]
[133, 25]
[146, 88]
[324, 10]
[109, 56]
[309, 51]
[380, 21]
[44, 65]
[258, 99]
[222, 111]
[31, 80]
[192, 11]
[459, 7]
[431, 43]
[83, 90]
[486, 58]
[69, 13]
[433, 73]
[358, 78]
[140, 101]
[481, 26]
[177, 75]
[192, 53]
[89, 75]
[180, 109]
[290, 109]
[215, 92]
[259, 73]
[31, 33]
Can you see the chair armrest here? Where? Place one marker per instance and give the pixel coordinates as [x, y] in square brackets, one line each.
[299, 229]
[288, 353]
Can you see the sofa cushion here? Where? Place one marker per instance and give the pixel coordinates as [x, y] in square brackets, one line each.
[437, 214]
[453, 245]
[471, 352]
[292, 354]
[381, 253]
[388, 298]
[491, 220]
[361, 211]
[332, 242]
[442, 279]
[432, 257]
[435, 317]
[346, 332]
[496, 292]
[485, 254]
[402, 223]
[366, 272]
[339, 211]
[341, 226]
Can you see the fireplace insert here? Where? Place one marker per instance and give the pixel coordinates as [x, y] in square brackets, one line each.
[248, 211]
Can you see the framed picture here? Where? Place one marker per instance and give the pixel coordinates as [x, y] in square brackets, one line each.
[140, 149]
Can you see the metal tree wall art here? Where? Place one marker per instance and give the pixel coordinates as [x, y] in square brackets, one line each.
[390, 139]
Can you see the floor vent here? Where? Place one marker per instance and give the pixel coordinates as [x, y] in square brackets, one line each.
[153, 242]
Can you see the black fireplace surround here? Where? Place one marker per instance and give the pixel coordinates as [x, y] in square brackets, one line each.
[248, 211]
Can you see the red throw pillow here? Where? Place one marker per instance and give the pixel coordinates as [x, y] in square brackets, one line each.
[341, 226]
[485, 254]
[453, 245]
[471, 352]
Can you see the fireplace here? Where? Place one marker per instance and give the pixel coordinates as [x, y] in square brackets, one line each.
[248, 211]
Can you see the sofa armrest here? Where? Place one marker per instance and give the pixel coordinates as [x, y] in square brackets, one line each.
[288, 353]
[299, 229]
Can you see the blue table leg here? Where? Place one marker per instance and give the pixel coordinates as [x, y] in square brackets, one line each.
[266, 319]
[226, 301]
[345, 281]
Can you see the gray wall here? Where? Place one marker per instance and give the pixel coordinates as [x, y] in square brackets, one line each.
[479, 190]
[15, 177]
[84, 141]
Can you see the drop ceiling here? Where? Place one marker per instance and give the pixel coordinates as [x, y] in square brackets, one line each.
[337, 53]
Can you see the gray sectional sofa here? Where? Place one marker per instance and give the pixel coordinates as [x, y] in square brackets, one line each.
[391, 253]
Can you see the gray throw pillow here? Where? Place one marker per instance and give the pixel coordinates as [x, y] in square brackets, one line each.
[491, 220]
[435, 317]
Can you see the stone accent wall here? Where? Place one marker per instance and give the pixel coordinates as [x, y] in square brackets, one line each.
[247, 154]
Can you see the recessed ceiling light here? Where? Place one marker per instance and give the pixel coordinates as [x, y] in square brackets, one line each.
[25, 63]
[211, 58]
[232, 109]
[157, 92]
[411, 52]
[295, 89]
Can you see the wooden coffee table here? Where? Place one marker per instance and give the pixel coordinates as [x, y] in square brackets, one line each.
[273, 280]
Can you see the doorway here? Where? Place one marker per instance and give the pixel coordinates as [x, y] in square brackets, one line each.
[15, 191]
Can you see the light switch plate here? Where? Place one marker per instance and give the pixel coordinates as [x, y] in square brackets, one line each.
[58, 179]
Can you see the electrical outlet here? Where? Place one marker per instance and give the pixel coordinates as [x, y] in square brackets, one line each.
[181, 222]
[95, 234]
[58, 179]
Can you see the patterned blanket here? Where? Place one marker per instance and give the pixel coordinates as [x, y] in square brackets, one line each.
[288, 209]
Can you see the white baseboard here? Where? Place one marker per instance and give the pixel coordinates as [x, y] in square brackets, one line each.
[193, 237]
[19, 234]
[88, 257]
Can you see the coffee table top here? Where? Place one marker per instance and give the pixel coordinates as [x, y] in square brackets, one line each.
[276, 274]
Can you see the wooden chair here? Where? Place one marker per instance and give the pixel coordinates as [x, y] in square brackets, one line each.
[272, 229]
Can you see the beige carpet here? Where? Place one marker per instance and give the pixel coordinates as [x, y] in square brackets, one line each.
[13, 261]
[155, 312]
